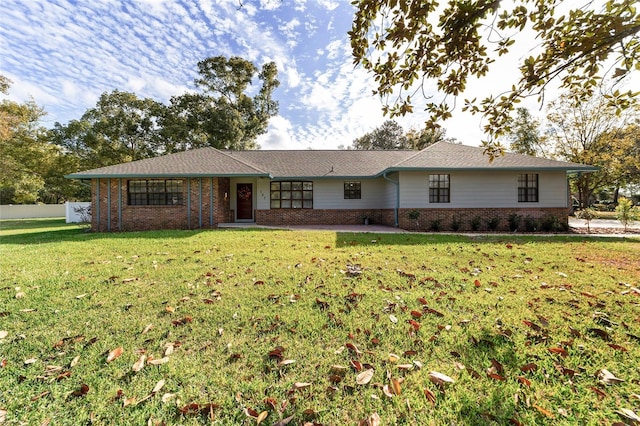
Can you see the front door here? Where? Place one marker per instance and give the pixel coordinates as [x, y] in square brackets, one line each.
[244, 201]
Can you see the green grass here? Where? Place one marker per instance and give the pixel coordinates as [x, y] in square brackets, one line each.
[227, 299]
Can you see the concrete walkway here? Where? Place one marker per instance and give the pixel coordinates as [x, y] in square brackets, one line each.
[600, 223]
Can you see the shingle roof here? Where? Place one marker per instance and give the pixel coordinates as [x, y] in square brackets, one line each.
[448, 156]
[194, 163]
[312, 163]
[328, 164]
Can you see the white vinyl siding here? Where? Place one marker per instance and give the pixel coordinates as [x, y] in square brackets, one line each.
[482, 189]
[329, 194]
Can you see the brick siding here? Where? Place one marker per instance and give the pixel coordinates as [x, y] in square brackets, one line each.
[324, 217]
[530, 219]
[111, 212]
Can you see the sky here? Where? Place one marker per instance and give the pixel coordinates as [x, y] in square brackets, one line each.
[64, 54]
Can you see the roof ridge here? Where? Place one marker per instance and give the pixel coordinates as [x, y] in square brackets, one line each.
[245, 162]
[415, 154]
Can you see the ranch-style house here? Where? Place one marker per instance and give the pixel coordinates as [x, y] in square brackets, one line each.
[445, 186]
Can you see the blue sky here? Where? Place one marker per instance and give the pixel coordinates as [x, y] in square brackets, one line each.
[64, 54]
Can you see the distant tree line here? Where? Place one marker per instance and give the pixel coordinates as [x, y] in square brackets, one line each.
[123, 127]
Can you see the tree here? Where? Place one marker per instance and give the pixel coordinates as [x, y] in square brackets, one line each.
[22, 147]
[524, 136]
[406, 43]
[582, 133]
[223, 115]
[624, 162]
[389, 135]
[121, 128]
[420, 139]
[32, 169]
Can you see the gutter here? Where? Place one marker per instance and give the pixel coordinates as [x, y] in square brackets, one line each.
[395, 210]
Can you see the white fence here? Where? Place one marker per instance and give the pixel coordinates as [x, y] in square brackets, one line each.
[77, 212]
[70, 211]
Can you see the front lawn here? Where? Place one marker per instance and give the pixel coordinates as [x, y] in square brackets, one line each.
[230, 326]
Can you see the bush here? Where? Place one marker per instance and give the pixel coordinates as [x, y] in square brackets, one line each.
[492, 224]
[551, 224]
[588, 215]
[626, 213]
[514, 221]
[530, 224]
[476, 222]
[456, 224]
[436, 225]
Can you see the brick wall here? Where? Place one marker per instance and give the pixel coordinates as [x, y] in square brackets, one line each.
[324, 217]
[110, 211]
[530, 219]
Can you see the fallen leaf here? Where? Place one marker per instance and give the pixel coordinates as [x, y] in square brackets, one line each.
[139, 364]
[524, 381]
[261, 417]
[371, 420]
[544, 411]
[3, 415]
[3, 334]
[158, 386]
[159, 361]
[364, 377]
[393, 319]
[30, 361]
[81, 391]
[395, 386]
[147, 328]
[301, 385]
[114, 354]
[600, 393]
[606, 377]
[431, 397]
[618, 347]
[129, 401]
[40, 395]
[628, 414]
[74, 361]
[561, 351]
[167, 397]
[196, 409]
[284, 421]
[353, 348]
[439, 378]
[286, 362]
[529, 367]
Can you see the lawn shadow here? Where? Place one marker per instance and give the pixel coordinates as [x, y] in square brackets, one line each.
[25, 232]
[349, 239]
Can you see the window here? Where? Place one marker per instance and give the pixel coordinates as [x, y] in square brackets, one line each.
[528, 188]
[154, 192]
[291, 195]
[352, 191]
[438, 188]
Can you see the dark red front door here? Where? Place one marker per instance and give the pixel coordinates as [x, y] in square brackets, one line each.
[244, 203]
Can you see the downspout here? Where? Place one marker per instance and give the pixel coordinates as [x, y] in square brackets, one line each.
[200, 205]
[119, 204]
[97, 212]
[108, 204]
[211, 200]
[188, 203]
[395, 210]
